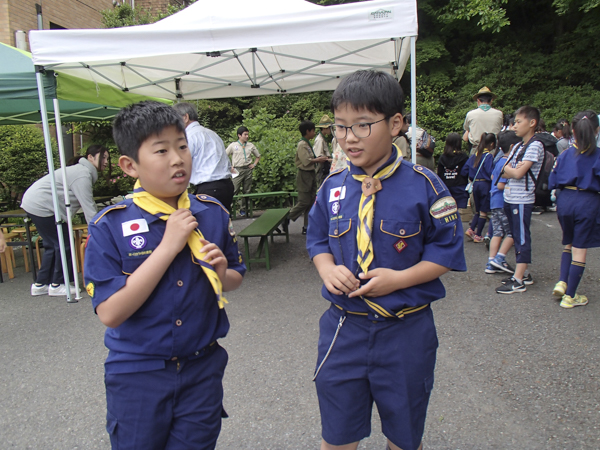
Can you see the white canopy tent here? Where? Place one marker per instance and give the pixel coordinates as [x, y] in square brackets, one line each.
[235, 48]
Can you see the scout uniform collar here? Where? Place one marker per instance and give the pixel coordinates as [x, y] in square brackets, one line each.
[160, 209]
[311, 149]
[485, 107]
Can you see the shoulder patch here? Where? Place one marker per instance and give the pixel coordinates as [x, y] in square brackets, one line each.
[444, 207]
[208, 199]
[109, 209]
[433, 179]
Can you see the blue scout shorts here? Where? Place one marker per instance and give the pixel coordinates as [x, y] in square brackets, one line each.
[577, 213]
[388, 362]
[175, 407]
[481, 196]
[519, 219]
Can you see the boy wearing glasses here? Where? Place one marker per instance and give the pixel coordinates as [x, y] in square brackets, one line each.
[306, 162]
[380, 255]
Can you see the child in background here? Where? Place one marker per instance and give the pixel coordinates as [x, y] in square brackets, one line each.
[499, 223]
[450, 167]
[577, 174]
[479, 170]
[522, 167]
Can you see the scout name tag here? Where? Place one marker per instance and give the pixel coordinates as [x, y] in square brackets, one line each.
[134, 227]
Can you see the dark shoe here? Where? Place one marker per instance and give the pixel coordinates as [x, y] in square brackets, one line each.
[511, 288]
[527, 281]
[303, 230]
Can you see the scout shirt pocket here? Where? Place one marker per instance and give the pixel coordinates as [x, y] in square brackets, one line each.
[342, 241]
[398, 245]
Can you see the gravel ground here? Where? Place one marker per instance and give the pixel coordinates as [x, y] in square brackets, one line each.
[513, 371]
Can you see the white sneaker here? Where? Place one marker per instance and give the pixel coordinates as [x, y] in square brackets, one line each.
[60, 290]
[39, 290]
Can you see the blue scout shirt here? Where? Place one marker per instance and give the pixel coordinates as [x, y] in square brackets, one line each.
[487, 165]
[181, 316]
[496, 195]
[577, 170]
[415, 220]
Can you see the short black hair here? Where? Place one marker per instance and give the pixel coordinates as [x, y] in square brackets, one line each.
[530, 113]
[377, 92]
[485, 98]
[187, 108]
[241, 130]
[136, 123]
[305, 127]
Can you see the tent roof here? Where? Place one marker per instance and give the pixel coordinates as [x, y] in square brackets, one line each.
[80, 100]
[237, 48]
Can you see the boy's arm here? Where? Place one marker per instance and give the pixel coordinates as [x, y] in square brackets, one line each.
[337, 279]
[139, 285]
[385, 281]
[230, 279]
[518, 172]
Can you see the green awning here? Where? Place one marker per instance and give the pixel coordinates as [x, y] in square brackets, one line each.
[79, 100]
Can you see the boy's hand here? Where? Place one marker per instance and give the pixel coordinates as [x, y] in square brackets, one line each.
[382, 282]
[339, 280]
[215, 257]
[179, 226]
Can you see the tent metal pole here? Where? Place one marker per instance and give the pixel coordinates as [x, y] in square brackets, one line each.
[50, 159]
[63, 167]
[413, 97]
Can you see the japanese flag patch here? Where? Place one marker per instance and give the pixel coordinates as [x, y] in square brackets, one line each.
[337, 194]
[134, 227]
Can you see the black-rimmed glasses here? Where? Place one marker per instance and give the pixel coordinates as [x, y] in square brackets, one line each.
[361, 130]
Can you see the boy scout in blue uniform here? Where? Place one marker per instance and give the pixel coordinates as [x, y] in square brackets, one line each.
[156, 268]
[381, 234]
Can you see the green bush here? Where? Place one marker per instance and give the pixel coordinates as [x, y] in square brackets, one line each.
[22, 160]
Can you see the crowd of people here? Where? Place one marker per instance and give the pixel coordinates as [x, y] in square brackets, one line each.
[520, 170]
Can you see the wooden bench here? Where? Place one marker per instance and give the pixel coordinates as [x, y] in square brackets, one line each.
[264, 227]
[249, 199]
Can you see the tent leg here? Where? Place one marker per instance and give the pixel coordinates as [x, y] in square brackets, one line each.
[61, 152]
[50, 159]
[413, 96]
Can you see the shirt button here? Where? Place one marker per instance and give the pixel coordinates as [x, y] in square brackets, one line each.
[376, 316]
[178, 322]
[197, 353]
[335, 232]
[402, 232]
[179, 283]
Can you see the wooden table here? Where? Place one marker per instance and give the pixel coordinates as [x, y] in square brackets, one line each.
[21, 214]
[248, 200]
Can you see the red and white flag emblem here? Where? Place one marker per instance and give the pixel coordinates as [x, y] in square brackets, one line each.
[134, 227]
[337, 193]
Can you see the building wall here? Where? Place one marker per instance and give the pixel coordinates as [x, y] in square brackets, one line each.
[21, 15]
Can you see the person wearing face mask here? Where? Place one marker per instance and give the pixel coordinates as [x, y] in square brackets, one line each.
[82, 173]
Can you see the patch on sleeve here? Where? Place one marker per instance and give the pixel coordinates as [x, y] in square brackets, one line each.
[231, 230]
[90, 289]
[444, 207]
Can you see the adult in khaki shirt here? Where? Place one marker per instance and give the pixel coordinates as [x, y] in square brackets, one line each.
[321, 148]
[306, 161]
[483, 119]
[242, 153]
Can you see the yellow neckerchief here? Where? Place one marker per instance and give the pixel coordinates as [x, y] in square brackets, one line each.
[366, 209]
[156, 207]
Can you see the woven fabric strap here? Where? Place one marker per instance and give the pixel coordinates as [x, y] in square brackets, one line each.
[160, 209]
[366, 210]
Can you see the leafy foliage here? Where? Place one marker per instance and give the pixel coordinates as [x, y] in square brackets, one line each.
[22, 160]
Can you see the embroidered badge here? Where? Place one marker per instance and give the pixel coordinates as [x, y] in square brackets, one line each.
[137, 242]
[90, 289]
[515, 211]
[336, 194]
[443, 207]
[136, 226]
[400, 245]
[231, 230]
[335, 208]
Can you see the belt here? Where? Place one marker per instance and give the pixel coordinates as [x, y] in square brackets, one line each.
[242, 167]
[575, 188]
[400, 314]
[198, 353]
[481, 179]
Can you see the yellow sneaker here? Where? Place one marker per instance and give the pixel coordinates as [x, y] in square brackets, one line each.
[570, 302]
[560, 289]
